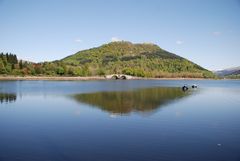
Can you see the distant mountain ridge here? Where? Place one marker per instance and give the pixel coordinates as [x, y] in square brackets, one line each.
[228, 71]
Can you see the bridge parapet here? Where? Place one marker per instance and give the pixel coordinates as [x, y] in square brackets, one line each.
[118, 76]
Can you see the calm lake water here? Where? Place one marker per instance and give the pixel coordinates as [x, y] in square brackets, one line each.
[133, 120]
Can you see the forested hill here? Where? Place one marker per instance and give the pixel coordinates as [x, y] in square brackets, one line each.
[145, 60]
[142, 60]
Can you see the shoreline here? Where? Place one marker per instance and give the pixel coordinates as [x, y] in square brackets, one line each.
[64, 78]
[57, 78]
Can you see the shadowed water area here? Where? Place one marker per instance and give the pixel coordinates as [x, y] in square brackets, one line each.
[131, 120]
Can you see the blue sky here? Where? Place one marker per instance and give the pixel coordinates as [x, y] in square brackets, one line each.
[204, 31]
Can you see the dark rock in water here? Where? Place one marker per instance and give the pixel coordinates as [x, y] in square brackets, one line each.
[194, 86]
[184, 88]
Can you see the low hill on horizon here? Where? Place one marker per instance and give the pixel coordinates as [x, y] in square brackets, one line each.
[229, 73]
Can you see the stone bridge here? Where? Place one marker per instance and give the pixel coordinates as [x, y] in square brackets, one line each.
[118, 76]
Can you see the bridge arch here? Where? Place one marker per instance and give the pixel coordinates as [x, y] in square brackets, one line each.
[118, 76]
[123, 77]
[114, 77]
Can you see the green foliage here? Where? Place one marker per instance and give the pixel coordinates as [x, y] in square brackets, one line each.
[101, 72]
[8, 68]
[128, 71]
[2, 67]
[20, 64]
[7, 63]
[38, 69]
[77, 72]
[134, 72]
[142, 60]
[60, 70]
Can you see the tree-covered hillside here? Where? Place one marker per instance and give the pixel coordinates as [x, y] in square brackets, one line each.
[144, 60]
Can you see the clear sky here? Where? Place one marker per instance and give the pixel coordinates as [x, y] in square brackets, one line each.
[204, 31]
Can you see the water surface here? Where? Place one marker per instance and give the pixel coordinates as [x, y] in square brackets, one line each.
[131, 120]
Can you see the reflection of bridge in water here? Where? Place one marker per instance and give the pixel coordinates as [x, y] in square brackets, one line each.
[118, 76]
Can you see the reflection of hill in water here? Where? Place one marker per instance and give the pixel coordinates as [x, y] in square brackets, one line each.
[7, 97]
[135, 100]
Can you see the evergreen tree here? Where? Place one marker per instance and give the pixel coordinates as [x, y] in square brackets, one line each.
[7, 57]
[15, 60]
[20, 64]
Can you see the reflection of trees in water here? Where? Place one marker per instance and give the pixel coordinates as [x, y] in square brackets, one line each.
[7, 97]
[136, 100]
